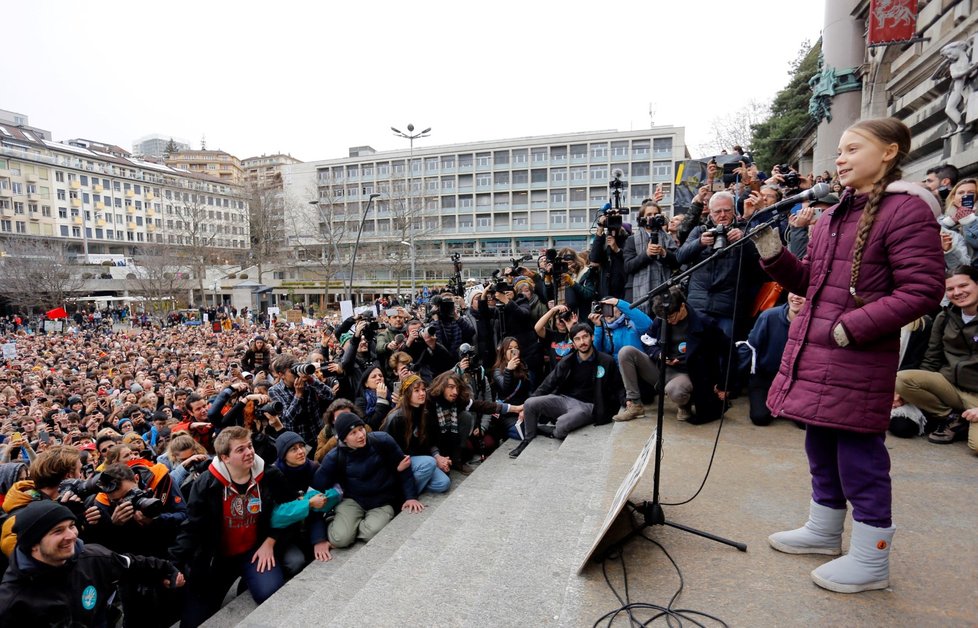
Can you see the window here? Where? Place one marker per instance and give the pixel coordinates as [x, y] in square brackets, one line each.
[540, 155]
[599, 173]
[62, 196]
[59, 176]
[558, 175]
[662, 170]
[599, 151]
[640, 148]
[64, 230]
[483, 179]
[519, 220]
[482, 160]
[6, 226]
[640, 169]
[62, 212]
[83, 179]
[662, 147]
[76, 232]
[18, 208]
[619, 149]
[539, 175]
[46, 211]
[501, 158]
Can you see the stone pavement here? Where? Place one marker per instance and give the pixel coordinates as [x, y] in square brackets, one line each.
[502, 548]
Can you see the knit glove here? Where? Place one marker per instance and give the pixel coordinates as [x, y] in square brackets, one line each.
[963, 213]
[840, 336]
[568, 279]
[768, 243]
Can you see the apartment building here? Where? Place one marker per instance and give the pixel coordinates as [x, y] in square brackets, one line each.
[487, 201]
[103, 203]
[213, 163]
[266, 171]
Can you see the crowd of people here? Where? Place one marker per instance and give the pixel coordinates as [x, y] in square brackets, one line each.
[189, 456]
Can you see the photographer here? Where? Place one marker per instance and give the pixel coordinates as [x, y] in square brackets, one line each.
[553, 329]
[617, 325]
[516, 320]
[569, 280]
[302, 396]
[606, 252]
[473, 373]
[724, 288]
[450, 329]
[649, 254]
[260, 414]
[429, 356]
[392, 338]
[141, 509]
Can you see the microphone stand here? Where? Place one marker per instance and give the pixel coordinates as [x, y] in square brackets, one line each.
[651, 511]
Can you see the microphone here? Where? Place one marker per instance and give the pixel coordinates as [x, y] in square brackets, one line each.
[617, 173]
[812, 194]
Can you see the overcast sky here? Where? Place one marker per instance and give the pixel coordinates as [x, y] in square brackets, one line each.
[313, 79]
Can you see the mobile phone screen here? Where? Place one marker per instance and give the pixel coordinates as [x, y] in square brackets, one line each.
[968, 200]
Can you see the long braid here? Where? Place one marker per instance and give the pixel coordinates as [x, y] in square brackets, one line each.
[866, 224]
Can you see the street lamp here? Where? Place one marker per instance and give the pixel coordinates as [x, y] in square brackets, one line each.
[356, 245]
[410, 136]
[414, 255]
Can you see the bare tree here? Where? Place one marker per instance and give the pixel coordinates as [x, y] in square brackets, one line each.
[320, 227]
[196, 233]
[267, 224]
[159, 276]
[37, 274]
[409, 223]
[735, 128]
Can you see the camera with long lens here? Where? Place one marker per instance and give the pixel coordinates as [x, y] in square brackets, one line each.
[566, 315]
[144, 502]
[614, 211]
[720, 236]
[83, 489]
[272, 407]
[654, 223]
[557, 265]
[304, 368]
[467, 351]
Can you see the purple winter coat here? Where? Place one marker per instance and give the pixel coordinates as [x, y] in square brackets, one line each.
[901, 279]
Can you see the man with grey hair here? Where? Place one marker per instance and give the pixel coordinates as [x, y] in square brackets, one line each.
[725, 287]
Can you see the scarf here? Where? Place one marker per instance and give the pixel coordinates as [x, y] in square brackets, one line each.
[447, 418]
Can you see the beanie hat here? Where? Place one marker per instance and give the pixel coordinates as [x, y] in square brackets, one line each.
[345, 423]
[345, 337]
[471, 294]
[285, 441]
[36, 519]
[520, 283]
[136, 388]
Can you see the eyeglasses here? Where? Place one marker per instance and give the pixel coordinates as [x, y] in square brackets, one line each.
[722, 211]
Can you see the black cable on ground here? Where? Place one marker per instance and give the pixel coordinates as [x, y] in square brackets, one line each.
[673, 616]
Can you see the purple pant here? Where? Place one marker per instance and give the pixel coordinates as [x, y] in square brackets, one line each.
[854, 467]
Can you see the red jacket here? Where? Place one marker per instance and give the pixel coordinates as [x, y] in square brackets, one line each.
[901, 279]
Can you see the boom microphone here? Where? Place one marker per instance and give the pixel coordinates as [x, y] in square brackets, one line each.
[812, 194]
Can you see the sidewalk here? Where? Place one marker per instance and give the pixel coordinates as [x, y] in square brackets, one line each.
[759, 484]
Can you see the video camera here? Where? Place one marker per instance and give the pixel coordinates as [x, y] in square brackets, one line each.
[613, 210]
[272, 407]
[467, 351]
[144, 502]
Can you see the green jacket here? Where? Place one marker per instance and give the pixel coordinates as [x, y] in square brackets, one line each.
[953, 349]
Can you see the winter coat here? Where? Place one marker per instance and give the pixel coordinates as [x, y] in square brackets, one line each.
[369, 474]
[953, 350]
[644, 272]
[611, 265]
[901, 279]
[707, 348]
[78, 592]
[199, 540]
[628, 333]
[713, 289]
[768, 338]
[609, 393]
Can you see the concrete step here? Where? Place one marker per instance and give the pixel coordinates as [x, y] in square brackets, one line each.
[323, 589]
[499, 550]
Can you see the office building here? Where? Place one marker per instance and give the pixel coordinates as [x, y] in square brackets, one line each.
[487, 201]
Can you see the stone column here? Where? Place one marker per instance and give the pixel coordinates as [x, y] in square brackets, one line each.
[843, 48]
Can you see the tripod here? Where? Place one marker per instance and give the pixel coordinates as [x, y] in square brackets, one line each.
[651, 511]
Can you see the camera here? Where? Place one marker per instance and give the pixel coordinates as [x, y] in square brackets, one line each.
[467, 351]
[428, 331]
[719, 234]
[83, 489]
[566, 316]
[654, 224]
[272, 407]
[305, 368]
[144, 502]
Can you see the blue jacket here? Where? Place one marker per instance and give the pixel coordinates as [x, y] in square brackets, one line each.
[768, 338]
[368, 475]
[629, 334]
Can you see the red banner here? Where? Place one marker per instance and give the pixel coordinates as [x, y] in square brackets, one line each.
[892, 21]
[56, 313]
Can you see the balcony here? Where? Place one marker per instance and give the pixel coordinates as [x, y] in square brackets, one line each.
[99, 205]
[130, 194]
[76, 220]
[100, 222]
[31, 177]
[75, 184]
[97, 188]
[151, 228]
[149, 196]
[76, 202]
[150, 212]
[131, 226]
[130, 209]
[6, 192]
